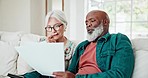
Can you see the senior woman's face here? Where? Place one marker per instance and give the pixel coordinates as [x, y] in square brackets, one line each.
[55, 28]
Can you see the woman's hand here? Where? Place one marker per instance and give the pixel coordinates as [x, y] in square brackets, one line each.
[50, 39]
[66, 74]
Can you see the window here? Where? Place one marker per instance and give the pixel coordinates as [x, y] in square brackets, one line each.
[129, 17]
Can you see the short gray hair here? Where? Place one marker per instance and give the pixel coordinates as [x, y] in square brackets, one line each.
[59, 15]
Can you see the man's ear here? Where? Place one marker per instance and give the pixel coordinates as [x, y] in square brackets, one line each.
[106, 22]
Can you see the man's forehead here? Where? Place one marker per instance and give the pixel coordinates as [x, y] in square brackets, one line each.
[96, 14]
[92, 16]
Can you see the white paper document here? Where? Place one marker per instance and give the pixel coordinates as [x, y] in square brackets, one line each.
[44, 57]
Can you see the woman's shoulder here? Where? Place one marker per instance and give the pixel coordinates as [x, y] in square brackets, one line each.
[71, 43]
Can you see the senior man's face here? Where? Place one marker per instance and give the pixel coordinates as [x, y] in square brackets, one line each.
[94, 27]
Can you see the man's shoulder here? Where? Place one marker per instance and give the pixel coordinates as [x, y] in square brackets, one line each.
[119, 35]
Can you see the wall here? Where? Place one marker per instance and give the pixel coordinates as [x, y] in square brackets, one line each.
[15, 15]
[28, 16]
[74, 10]
[56, 4]
[0, 14]
[22, 15]
[37, 12]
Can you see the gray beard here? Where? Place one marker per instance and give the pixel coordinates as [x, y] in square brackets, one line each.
[96, 33]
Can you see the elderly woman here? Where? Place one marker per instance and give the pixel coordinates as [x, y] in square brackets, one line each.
[55, 26]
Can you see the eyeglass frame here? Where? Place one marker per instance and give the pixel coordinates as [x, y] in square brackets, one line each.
[55, 27]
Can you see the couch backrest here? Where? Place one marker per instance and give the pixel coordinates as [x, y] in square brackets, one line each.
[9, 39]
[22, 66]
[8, 55]
[140, 47]
[12, 38]
[10, 62]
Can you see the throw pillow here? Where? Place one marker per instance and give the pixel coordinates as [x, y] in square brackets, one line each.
[8, 57]
[23, 67]
[141, 64]
[12, 38]
[140, 44]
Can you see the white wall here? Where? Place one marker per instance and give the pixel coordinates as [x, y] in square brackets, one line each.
[15, 15]
[0, 14]
[29, 15]
[37, 16]
[57, 4]
[74, 10]
[22, 15]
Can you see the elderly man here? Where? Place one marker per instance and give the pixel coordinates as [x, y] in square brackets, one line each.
[103, 55]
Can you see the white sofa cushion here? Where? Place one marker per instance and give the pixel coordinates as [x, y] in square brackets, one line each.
[140, 44]
[22, 66]
[8, 57]
[1, 32]
[30, 37]
[141, 64]
[12, 38]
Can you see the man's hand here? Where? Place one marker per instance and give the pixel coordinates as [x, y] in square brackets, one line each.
[66, 74]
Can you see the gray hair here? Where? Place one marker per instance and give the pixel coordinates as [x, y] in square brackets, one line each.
[59, 15]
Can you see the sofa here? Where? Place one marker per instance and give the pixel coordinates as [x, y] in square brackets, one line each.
[11, 62]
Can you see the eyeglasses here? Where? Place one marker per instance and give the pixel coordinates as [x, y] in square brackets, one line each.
[55, 27]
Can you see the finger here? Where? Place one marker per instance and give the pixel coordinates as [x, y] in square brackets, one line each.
[59, 73]
[50, 39]
[59, 77]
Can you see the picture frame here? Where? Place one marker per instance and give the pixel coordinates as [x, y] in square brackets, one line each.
[47, 5]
